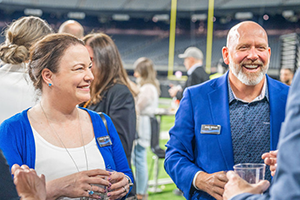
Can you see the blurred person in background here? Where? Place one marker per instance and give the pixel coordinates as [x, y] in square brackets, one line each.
[228, 120]
[71, 146]
[16, 87]
[193, 61]
[286, 75]
[146, 104]
[72, 27]
[110, 91]
[222, 68]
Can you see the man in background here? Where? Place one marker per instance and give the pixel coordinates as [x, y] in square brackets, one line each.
[228, 120]
[72, 27]
[193, 61]
[286, 75]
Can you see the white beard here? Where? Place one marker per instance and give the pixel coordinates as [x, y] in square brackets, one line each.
[247, 79]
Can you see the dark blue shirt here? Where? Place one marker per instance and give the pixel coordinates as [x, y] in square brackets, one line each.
[250, 128]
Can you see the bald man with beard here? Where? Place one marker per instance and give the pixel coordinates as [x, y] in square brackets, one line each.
[228, 120]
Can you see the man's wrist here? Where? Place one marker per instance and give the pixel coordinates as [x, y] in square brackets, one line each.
[194, 180]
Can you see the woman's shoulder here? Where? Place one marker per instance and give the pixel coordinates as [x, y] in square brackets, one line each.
[18, 116]
[119, 87]
[118, 90]
[21, 68]
[94, 114]
[148, 87]
[17, 121]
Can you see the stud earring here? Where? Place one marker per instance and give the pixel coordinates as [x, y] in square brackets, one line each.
[49, 84]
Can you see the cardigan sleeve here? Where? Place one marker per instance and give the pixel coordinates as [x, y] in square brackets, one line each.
[10, 142]
[17, 141]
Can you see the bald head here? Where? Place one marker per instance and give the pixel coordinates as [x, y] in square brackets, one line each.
[245, 29]
[247, 54]
[72, 27]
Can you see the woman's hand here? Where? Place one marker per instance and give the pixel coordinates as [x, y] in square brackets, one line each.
[79, 184]
[120, 186]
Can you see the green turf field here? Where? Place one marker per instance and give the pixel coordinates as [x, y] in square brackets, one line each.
[167, 190]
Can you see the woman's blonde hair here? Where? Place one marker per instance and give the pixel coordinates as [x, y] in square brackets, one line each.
[144, 66]
[20, 36]
[108, 69]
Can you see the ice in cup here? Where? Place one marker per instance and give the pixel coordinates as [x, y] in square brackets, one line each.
[250, 172]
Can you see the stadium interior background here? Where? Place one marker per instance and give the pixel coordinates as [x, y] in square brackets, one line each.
[140, 28]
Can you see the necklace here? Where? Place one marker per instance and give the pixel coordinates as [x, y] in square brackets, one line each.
[82, 143]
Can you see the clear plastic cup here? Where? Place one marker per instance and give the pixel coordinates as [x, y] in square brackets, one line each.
[250, 172]
[103, 195]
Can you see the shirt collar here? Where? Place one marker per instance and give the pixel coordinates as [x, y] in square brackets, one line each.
[192, 69]
[264, 93]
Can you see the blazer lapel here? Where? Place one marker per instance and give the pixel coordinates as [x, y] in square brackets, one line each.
[277, 111]
[218, 101]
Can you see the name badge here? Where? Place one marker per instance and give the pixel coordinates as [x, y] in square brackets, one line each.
[104, 141]
[210, 129]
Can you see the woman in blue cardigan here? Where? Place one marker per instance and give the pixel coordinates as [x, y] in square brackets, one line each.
[71, 146]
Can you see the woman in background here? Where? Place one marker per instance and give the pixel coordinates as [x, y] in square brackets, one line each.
[14, 53]
[146, 104]
[110, 91]
[69, 145]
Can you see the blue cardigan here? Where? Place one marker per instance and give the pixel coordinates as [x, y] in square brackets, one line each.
[189, 151]
[18, 145]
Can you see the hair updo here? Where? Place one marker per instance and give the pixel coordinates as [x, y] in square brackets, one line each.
[20, 36]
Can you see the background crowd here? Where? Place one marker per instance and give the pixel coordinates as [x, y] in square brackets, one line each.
[73, 121]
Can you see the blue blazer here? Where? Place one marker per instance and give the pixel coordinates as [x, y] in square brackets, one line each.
[189, 151]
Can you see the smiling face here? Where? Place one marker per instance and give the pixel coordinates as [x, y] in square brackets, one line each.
[247, 53]
[74, 76]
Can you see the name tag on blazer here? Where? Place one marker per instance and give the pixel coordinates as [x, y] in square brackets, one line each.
[210, 129]
[104, 141]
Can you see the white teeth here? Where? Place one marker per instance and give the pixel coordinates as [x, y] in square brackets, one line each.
[251, 66]
[86, 87]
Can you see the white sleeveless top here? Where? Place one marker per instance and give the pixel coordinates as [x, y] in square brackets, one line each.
[55, 162]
